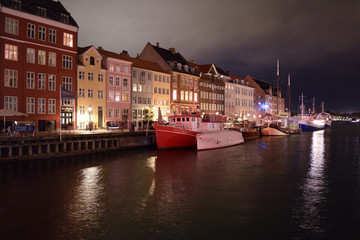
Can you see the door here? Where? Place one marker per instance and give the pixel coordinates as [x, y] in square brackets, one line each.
[100, 117]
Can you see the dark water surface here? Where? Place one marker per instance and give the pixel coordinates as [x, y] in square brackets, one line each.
[295, 187]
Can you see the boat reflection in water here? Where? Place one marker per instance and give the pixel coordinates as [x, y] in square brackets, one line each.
[311, 211]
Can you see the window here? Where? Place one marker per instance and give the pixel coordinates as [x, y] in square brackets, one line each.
[68, 40]
[117, 81]
[125, 97]
[67, 83]
[41, 81]
[11, 52]
[126, 69]
[10, 103]
[174, 79]
[52, 106]
[139, 100]
[117, 113]
[41, 11]
[30, 80]
[11, 78]
[117, 67]
[140, 88]
[167, 91]
[111, 95]
[81, 75]
[155, 77]
[30, 105]
[100, 78]
[111, 67]
[52, 35]
[182, 79]
[174, 94]
[91, 76]
[160, 78]
[41, 57]
[16, 4]
[81, 92]
[134, 87]
[90, 93]
[149, 76]
[163, 91]
[182, 95]
[67, 62]
[195, 97]
[111, 112]
[186, 95]
[64, 18]
[92, 60]
[190, 96]
[117, 96]
[100, 94]
[82, 110]
[52, 59]
[111, 80]
[134, 73]
[31, 30]
[42, 33]
[125, 82]
[41, 106]
[155, 89]
[134, 99]
[52, 82]
[11, 26]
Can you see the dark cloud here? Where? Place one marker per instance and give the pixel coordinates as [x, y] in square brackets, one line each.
[316, 41]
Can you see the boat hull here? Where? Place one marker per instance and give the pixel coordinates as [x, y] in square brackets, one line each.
[269, 131]
[173, 137]
[218, 139]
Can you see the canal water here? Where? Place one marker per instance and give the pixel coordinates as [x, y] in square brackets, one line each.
[294, 187]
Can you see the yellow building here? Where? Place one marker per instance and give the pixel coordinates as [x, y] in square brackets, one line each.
[91, 89]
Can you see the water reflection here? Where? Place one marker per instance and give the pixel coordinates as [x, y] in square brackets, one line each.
[86, 208]
[314, 188]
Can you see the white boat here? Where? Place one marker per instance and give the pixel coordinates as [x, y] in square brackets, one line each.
[218, 139]
[281, 126]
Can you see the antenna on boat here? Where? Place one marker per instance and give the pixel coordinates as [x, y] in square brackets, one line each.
[289, 111]
[277, 86]
[322, 106]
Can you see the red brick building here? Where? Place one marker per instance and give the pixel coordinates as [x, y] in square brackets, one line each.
[38, 47]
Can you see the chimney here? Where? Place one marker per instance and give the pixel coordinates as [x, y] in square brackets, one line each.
[172, 50]
[124, 53]
[157, 44]
[100, 48]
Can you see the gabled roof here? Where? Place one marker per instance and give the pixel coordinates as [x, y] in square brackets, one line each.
[114, 55]
[54, 10]
[82, 50]
[173, 58]
[139, 63]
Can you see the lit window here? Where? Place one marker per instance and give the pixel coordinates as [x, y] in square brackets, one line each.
[68, 40]
[52, 59]
[11, 78]
[11, 52]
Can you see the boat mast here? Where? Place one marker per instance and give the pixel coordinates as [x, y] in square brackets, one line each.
[302, 105]
[277, 87]
[322, 106]
[289, 111]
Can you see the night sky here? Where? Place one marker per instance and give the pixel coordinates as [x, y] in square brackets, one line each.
[316, 41]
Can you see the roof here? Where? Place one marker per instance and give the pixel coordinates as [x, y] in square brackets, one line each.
[139, 63]
[82, 50]
[54, 10]
[114, 55]
[262, 84]
[173, 58]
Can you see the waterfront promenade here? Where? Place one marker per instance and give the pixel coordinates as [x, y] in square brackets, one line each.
[71, 142]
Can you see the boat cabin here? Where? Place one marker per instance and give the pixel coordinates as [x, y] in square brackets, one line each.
[196, 123]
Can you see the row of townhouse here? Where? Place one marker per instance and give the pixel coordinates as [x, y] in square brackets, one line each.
[58, 84]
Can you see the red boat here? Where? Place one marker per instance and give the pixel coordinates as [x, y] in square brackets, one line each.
[182, 129]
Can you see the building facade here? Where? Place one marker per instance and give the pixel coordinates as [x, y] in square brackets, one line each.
[118, 88]
[38, 47]
[184, 82]
[91, 89]
[150, 92]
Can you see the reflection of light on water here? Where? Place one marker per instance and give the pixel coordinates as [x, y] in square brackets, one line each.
[86, 208]
[151, 163]
[315, 186]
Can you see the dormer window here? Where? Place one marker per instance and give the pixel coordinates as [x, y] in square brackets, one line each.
[179, 66]
[92, 61]
[16, 4]
[41, 11]
[64, 17]
[242, 81]
[186, 67]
